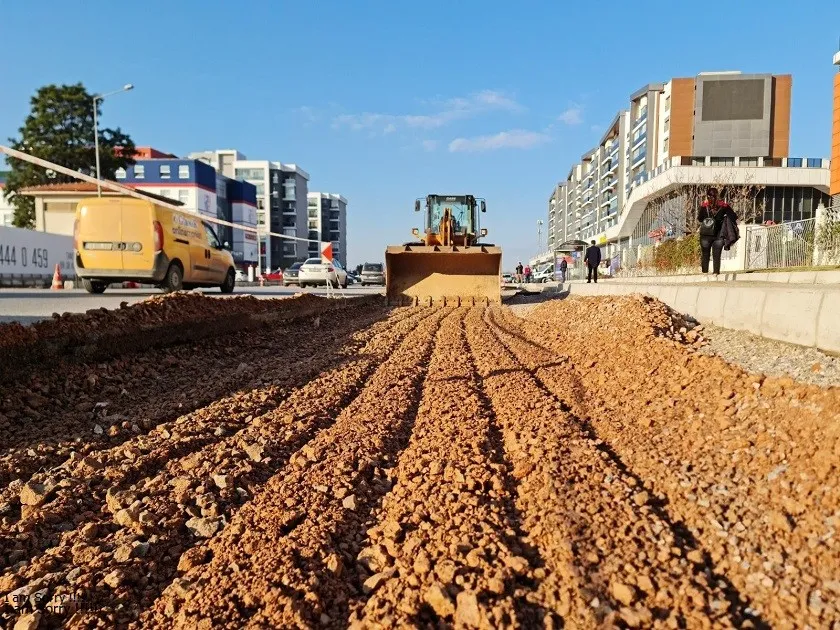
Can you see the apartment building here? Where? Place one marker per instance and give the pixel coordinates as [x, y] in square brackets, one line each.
[201, 189]
[281, 202]
[327, 219]
[723, 126]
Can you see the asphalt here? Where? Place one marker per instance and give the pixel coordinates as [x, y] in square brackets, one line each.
[30, 305]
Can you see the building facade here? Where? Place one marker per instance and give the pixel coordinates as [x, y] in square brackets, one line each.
[7, 210]
[199, 188]
[724, 128]
[327, 220]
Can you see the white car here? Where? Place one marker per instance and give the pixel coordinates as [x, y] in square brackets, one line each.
[316, 272]
[545, 274]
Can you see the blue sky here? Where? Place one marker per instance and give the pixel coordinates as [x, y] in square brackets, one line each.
[385, 101]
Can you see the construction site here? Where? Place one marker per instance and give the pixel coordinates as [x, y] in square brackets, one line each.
[198, 462]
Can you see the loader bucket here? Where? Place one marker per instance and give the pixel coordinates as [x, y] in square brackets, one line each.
[453, 276]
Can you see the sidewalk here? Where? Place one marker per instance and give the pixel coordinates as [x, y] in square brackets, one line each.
[805, 312]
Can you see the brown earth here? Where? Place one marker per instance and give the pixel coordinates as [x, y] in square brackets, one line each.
[338, 464]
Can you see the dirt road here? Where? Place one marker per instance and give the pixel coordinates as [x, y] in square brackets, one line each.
[320, 463]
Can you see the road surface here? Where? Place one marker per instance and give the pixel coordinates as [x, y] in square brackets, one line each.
[30, 305]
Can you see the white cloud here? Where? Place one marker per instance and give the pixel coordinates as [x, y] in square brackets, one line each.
[572, 116]
[430, 145]
[513, 139]
[449, 111]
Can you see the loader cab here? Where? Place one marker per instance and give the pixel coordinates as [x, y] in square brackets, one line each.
[462, 207]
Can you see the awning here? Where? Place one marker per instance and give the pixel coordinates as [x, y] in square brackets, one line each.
[570, 246]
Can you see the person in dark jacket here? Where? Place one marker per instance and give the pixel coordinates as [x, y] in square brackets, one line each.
[593, 259]
[711, 216]
[563, 267]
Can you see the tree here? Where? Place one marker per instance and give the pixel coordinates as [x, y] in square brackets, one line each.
[59, 128]
[359, 270]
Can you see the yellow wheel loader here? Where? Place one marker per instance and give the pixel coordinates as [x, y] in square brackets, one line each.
[447, 265]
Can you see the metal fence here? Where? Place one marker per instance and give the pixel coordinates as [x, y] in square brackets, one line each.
[784, 245]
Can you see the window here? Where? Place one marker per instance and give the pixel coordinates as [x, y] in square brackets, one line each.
[120, 174]
[814, 163]
[665, 145]
[165, 192]
[260, 217]
[667, 124]
[211, 235]
[184, 196]
[139, 171]
[667, 103]
[165, 171]
[794, 161]
[261, 203]
[184, 171]
[748, 161]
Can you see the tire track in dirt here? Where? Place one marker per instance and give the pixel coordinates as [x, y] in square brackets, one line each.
[629, 553]
[207, 485]
[287, 558]
[79, 484]
[84, 408]
[745, 462]
[446, 546]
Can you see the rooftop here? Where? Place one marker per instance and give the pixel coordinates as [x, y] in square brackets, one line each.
[85, 188]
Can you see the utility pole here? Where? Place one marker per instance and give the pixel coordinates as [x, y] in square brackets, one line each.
[96, 99]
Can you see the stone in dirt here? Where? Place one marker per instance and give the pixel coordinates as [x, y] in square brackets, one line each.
[334, 564]
[115, 578]
[622, 592]
[376, 580]
[221, 481]
[203, 527]
[374, 558]
[193, 557]
[439, 600]
[33, 494]
[255, 452]
[28, 621]
[349, 502]
[467, 612]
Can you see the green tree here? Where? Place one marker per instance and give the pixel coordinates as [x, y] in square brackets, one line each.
[59, 128]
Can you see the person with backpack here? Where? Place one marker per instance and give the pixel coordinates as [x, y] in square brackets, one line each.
[714, 235]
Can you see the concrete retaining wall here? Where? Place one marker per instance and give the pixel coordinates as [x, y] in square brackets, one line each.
[778, 277]
[799, 314]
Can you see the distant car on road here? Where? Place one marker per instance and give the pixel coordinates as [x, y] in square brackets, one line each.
[372, 273]
[290, 276]
[274, 276]
[241, 276]
[316, 272]
[545, 274]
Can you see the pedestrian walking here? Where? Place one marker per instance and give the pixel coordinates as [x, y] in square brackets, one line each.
[519, 273]
[711, 216]
[527, 273]
[563, 267]
[592, 259]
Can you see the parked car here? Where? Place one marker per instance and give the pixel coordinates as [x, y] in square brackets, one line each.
[291, 275]
[274, 276]
[545, 274]
[372, 273]
[316, 272]
[507, 278]
[241, 276]
[117, 239]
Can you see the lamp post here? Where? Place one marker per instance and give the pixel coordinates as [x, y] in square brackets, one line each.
[97, 98]
[539, 236]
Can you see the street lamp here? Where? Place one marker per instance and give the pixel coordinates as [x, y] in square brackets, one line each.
[99, 97]
[539, 235]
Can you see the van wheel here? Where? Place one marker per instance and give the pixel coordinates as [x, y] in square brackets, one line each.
[174, 279]
[92, 286]
[229, 283]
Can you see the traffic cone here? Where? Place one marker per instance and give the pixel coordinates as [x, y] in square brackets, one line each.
[58, 281]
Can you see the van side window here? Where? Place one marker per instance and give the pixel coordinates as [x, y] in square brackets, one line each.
[211, 235]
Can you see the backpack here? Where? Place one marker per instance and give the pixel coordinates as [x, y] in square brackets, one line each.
[707, 226]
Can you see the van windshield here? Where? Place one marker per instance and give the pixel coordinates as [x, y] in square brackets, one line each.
[372, 267]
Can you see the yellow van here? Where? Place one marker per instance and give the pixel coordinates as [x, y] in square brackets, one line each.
[119, 239]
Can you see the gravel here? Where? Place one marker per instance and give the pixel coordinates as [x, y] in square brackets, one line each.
[773, 358]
